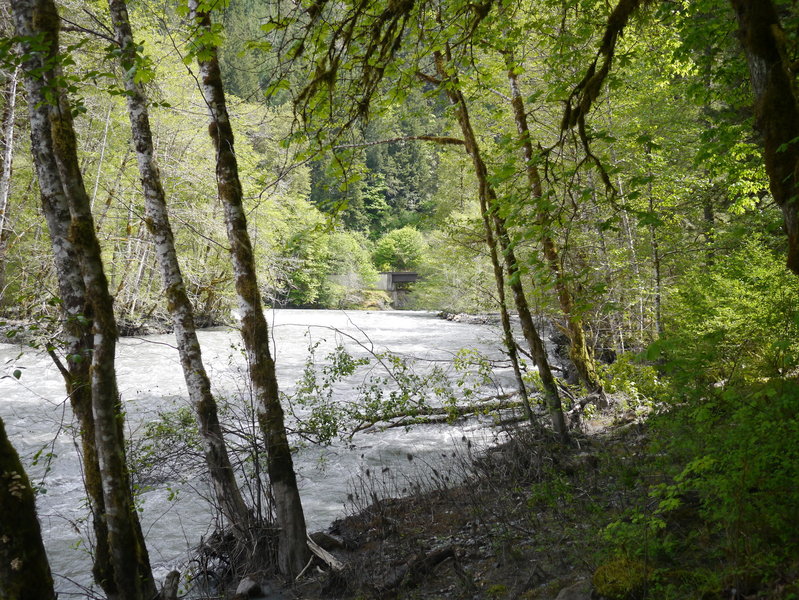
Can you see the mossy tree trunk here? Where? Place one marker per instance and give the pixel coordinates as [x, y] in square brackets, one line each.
[579, 350]
[226, 490]
[293, 551]
[491, 216]
[773, 80]
[55, 155]
[24, 570]
[76, 332]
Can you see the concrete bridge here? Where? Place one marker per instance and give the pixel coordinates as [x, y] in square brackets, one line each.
[398, 284]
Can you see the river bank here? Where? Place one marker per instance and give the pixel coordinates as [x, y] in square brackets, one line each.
[530, 519]
[522, 519]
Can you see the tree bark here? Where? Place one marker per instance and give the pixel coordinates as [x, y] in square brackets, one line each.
[76, 333]
[656, 259]
[579, 351]
[776, 108]
[55, 155]
[226, 490]
[9, 116]
[24, 570]
[488, 208]
[293, 552]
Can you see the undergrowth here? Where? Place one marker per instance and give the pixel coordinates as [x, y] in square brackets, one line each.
[721, 507]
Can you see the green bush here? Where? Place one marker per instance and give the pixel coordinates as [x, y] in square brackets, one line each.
[400, 250]
[733, 323]
[350, 271]
[723, 487]
[633, 378]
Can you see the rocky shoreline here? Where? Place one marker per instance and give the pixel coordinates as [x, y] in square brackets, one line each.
[471, 319]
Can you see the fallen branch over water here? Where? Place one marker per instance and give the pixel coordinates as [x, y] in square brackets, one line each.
[426, 415]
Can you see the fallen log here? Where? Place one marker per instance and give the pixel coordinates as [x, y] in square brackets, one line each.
[435, 414]
[408, 574]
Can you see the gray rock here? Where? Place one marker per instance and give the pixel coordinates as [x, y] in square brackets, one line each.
[577, 591]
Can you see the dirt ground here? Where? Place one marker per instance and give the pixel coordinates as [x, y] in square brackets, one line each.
[524, 523]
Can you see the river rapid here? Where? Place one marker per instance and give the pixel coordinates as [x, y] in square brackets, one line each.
[175, 515]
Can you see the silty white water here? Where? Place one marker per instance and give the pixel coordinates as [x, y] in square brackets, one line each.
[38, 418]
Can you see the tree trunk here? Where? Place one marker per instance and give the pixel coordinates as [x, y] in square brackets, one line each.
[579, 350]
[226, 490]
[656, 260]
[709, 230]
[776, 108]
[102, 154]
[507, 329]
[293, 552]
[24, 570]
[76, 333]
[488, 207]
[9, 116]
[55, 154]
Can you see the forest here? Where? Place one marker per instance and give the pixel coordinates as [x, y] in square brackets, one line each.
[616, 179]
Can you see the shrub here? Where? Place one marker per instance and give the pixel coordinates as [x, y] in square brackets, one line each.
[400, 250]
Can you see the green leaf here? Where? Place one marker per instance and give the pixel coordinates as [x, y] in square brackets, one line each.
[655, 350]
[784, 147]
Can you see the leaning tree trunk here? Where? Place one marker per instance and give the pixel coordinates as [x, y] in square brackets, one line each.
[292, 549]
[55, 154]
[226, 490]
[507, 329]
[24, 570]
[488, 207]
[579, 350]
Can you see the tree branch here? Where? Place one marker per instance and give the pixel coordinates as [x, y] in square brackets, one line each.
[75, 28]
[408, 138]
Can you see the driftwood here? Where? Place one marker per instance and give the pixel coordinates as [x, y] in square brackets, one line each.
[576, 412]
[421, 564]
[325, 556]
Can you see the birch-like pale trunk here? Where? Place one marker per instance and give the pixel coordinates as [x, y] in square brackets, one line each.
[55, 154]
[24, 570]
[76, 332]
[102, 154]
[489, 210]
[9, 117]
[226, 490]
[579, 351]
[293, 551]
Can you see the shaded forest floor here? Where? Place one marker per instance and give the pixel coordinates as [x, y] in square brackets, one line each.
[525, 523]
[532, 520]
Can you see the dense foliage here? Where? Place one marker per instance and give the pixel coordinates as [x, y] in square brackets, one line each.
[647, 217]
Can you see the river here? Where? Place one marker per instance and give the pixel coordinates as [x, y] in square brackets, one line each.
[175, 516]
